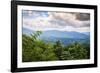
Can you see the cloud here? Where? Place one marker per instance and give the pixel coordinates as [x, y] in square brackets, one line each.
[34, 14]
[83, 16]
[43, 20]
[70, 19]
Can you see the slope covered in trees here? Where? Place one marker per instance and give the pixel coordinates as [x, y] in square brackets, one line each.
[35, 49]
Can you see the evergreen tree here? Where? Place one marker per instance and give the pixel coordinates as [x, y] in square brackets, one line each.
[58, 49]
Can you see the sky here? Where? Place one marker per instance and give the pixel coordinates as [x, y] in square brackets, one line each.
[62, 21]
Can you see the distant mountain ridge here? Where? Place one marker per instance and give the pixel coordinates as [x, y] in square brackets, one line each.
[60, 34]
[86, 33]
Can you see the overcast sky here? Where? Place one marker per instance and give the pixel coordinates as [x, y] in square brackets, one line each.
[63, 21]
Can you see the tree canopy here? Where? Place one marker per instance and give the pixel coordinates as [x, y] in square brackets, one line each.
[35, 49]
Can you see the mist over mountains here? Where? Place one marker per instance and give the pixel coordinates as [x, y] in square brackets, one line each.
[66, 37]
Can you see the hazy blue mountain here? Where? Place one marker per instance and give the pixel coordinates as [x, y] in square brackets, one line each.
[86, 33]
[64, 36]
[26, 31]
[59, 34]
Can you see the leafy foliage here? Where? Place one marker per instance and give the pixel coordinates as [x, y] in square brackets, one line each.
[35, 49]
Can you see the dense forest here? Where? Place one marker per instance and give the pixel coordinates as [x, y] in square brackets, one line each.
[35, 49]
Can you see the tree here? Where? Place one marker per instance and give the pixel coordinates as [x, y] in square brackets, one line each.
[35, 35]
[29, 45]
[35, 49]
[75, 51]
[58, 49]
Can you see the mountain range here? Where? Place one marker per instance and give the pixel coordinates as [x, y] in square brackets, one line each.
[60, 34]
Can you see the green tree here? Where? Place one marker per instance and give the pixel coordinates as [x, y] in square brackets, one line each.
[29, 45]
[58, 49]
[35, 49]
[75, 51]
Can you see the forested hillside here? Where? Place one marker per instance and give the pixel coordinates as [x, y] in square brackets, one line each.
[35, 49]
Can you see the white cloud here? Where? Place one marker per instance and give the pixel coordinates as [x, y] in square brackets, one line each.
[56, 21]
